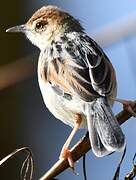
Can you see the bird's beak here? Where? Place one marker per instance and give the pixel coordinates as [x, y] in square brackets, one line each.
[20, 28]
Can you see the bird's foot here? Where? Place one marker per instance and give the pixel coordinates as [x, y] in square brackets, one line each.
[128, 106]
[66, 154]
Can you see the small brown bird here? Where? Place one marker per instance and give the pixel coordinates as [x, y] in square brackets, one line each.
[76, 78]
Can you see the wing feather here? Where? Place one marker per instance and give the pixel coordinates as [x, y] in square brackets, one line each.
[82, 69]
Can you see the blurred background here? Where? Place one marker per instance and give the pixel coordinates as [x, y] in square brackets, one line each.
[24, 119]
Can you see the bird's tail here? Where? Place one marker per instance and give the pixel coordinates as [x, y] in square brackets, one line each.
[105, 133]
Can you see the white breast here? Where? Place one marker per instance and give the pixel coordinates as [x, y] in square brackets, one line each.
[60, 107]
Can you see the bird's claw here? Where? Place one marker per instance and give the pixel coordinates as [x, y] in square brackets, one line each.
[66, 154]
[128, 106]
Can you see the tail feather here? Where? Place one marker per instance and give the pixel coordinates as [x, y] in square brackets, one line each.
[96, 143]
[105, 133]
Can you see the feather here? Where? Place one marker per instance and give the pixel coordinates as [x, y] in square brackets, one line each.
[106, 135]
[94, 65]
[96, 144]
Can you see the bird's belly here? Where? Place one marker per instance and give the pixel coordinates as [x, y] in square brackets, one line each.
[63, 109]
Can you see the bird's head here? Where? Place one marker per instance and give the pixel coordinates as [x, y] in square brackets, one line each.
[46, 25]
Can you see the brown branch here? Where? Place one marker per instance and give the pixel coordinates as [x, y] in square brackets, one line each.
[82, 147]
[132, 174]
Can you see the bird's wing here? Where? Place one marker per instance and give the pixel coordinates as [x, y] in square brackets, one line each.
[82, 70]
[101, 71]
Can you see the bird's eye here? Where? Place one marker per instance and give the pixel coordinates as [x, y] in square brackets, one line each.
[40, 26]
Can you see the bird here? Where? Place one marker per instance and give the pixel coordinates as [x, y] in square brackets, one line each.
[76, 78]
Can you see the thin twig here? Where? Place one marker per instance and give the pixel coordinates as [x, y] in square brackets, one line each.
[132, 174]
[82, 147]
[117, 172]
[84, 167]
[26, 172]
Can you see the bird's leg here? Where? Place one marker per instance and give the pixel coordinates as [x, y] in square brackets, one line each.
[65, 152]
[127, 105]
